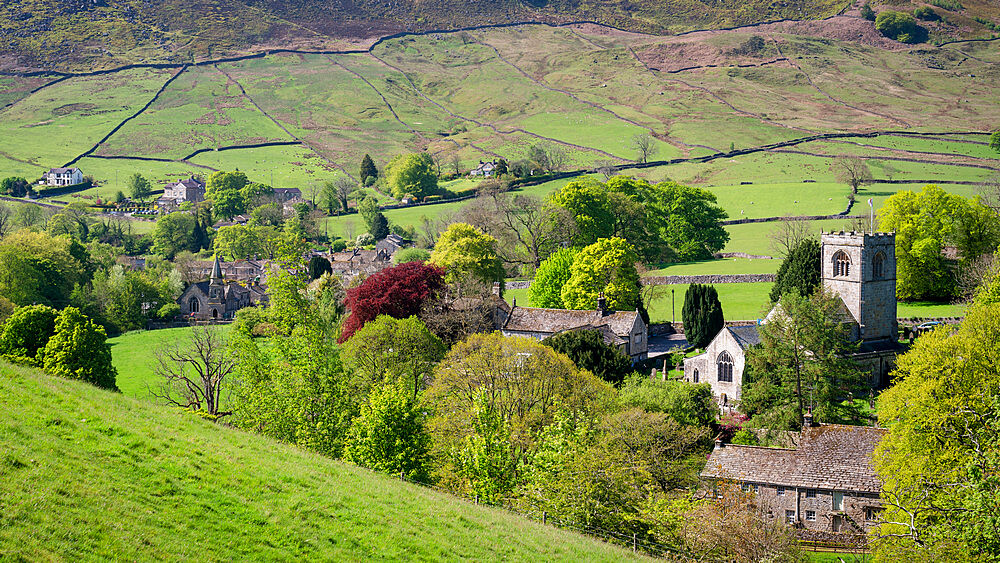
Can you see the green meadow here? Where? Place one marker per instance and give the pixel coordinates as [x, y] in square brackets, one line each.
[91, 475]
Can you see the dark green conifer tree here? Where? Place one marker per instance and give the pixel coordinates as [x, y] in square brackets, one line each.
[702, 315]
[800, 272]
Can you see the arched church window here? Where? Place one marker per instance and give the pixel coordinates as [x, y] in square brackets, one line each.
[841, 264]
[725, 365]
[878, 265]
[194, 305]
[694, 377]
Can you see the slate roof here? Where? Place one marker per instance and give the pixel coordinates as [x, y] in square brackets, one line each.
[746, 336]
[191, 183]
[533, 319]
[830, 457]
[62, 170]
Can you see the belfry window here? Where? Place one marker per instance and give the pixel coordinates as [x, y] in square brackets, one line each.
[841, 264]
[878, 265]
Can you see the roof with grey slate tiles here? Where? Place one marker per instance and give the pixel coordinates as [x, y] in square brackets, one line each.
[830, 456]
[533, 319]
[746, 336]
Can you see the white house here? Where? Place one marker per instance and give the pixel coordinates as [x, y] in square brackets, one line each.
[63, 177]
[485, 169]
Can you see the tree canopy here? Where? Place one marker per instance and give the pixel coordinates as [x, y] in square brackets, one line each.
[550, 278]
[607, 266]
[925, 223]
[38, 268]
[78, 350]
[399, 292]
[412, 174]
[468, 254]
[588, 351]
[940, 461]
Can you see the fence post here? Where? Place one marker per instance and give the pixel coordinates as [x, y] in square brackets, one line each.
[545, 517]
[401, 476]
[633, 542]
[477, 499]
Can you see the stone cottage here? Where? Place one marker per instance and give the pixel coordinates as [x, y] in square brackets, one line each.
[190, 189]
[627, 327]
[825, 484]
[858, 267]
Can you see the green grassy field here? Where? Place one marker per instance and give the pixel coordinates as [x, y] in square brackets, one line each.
[93, 476]
[723, 266]
[134, 355]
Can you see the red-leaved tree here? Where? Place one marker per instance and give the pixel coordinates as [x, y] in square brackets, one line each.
[398, 292]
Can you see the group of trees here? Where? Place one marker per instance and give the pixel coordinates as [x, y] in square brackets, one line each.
[928, 222]
[64, 343]
[574, 279]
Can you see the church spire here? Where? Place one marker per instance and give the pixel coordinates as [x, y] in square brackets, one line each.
[216, 270]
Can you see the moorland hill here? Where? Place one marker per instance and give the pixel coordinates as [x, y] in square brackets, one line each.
[92, 475]
[99, 34]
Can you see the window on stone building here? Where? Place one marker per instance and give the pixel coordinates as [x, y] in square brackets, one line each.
[841, 264]
[725, 365]
[810, 493]
[872, 512]
[878, 265]
[694, 377]
[811, 515]
[790, 516]
[193, 305]
[838, 501]
[781, 491]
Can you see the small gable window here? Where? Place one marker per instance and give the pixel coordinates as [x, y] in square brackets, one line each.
[725, 366]
[841, 264]
[878, 265]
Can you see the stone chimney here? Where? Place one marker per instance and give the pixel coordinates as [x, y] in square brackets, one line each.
[602, 305]
[807, 419]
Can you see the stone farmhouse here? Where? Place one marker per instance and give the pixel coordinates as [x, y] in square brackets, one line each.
[826, 484]
[623, 329]
[191, 189]
[218, 298]
[63, 177]
[861, 269]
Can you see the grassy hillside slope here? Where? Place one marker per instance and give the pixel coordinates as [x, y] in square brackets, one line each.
[92, 475]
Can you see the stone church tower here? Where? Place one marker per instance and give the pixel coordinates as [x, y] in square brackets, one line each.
[861, 268]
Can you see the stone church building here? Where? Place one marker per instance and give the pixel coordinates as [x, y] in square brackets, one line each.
[861, 269]
[218, 298]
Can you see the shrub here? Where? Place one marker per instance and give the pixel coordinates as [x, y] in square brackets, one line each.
[26, 331]
[926, 13]
[339, 245]
[900, 26]
[79, 350]
[169, 311]
[867, 12]
[411, 255]
[365, 239]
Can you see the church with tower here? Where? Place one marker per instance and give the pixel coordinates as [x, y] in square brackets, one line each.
[218, 298]
[860, 268]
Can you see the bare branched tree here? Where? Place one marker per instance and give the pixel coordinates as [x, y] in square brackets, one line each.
[972, 274]
[344, 187]
[527, 229]
[645, 145]
[788, 235]
[6, 219]
[989, 192]
[194, 378]
[851, 170]
[557, 158]
[605, 167]
[456, 164]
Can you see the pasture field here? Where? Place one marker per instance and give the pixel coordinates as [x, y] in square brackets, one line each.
[94, 475]
[722, 266]
[134, 356]
[488, 93]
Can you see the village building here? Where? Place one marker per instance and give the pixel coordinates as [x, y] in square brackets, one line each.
[623, 329]
[218, 298]
[287, 195]
[485, 169]
[824, 484]
[860, 268]
[358, 262]
[390, 245]
[247, 271]
[63, 177]
[190, 189]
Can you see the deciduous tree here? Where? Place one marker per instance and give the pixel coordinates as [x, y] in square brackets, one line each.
[390, 435]
[466, 253]
[412, 174]
[550, 278]
[399, 292]
[587, 201]
[79, 350]
[645, 146]
[608, 267]
[26, 331]
[194, 377]
[138, 187]
[389, 351]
